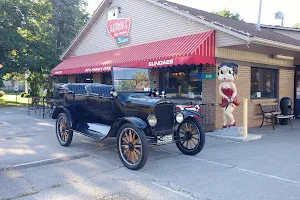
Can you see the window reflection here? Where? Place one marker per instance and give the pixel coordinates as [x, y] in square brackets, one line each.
[263, 83]
[187, 84]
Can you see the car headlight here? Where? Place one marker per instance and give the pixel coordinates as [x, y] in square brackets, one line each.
[152, 120]
[179, 117]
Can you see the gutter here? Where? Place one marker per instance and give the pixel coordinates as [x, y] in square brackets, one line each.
[272, 43]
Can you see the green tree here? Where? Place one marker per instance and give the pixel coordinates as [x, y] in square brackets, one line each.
[34, 33]
[297, 25]
[68, 17]
[228, 14]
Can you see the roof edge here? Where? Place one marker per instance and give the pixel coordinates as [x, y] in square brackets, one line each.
[85, 28]
[272, 43]
[281, 28]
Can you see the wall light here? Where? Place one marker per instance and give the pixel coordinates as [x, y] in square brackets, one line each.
[281, 57]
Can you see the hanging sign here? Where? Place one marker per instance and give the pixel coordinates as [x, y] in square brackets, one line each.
[119, 30]
[208, 76]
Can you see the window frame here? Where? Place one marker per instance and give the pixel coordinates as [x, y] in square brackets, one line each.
[275, 78]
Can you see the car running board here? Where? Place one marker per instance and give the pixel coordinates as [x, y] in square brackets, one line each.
[94, 130]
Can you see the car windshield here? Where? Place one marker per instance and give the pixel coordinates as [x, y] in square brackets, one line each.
[131, 79]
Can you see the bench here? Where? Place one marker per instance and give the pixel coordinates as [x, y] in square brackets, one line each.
[270, 112]
[77, 88]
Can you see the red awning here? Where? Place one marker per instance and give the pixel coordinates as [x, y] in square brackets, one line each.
[192, 49]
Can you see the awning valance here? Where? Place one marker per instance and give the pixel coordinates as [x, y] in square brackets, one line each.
[192, 49]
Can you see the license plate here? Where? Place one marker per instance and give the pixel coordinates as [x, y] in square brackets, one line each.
[164, 139]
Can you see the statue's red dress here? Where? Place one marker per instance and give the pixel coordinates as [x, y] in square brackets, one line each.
[228, 92]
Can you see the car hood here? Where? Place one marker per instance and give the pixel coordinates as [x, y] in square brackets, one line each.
[142, 99]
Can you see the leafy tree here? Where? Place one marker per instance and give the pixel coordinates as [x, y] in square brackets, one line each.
[23, 33]
[297, 25]
[228, 14]
[68, 17]
[34, 33]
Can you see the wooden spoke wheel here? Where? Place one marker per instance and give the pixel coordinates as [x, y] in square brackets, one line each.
[192, 137]
[63, 132]
[132, 146]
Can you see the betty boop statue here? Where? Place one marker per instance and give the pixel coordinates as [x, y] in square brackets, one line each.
[227, 73]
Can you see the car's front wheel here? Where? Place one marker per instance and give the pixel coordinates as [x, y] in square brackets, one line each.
[63, 130]
[132, 146]
[191, 137]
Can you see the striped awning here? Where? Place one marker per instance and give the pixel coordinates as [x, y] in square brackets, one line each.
[192, 49]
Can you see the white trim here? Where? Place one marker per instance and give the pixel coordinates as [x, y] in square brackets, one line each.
[275, 44]
[79, 34]
[281, 28]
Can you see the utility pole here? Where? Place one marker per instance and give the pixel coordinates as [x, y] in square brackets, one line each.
[259, 15]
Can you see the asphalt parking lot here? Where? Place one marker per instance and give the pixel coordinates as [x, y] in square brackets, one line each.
[34, 166]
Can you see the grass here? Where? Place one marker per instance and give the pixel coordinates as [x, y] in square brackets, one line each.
[10, 100]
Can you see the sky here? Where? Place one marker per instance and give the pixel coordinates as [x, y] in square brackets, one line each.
[248, 9]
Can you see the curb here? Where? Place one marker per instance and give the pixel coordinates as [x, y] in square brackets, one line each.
[251, 137]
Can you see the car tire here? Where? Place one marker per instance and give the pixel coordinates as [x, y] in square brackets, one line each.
[64, 134]
[132, 143]
[196, 138]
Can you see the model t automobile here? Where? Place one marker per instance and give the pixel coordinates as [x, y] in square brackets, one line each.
[129, 110]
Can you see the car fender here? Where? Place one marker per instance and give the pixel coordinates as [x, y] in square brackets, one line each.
[69, 111]
[138, 122]
[193, 114]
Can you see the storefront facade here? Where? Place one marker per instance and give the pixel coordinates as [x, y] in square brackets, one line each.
[183, 49]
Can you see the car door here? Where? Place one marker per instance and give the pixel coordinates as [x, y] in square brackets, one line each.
[106, 108]
[92, 105]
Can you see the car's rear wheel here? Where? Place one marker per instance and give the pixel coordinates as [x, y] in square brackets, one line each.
[132, 146]
[63, 130]
[192, 137]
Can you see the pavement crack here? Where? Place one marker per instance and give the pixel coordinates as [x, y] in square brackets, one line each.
[31, 184]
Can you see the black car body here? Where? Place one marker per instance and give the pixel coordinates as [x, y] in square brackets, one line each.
[128, 110]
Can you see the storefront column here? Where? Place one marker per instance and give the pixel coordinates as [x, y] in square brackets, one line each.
[209, 97]
[71, 78]
[97, 78]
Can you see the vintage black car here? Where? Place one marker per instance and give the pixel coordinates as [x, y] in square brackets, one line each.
[129, 110]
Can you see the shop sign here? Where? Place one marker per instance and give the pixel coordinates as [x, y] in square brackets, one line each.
[119, 30]
[161, 63]
[208, 76]
[123, 40]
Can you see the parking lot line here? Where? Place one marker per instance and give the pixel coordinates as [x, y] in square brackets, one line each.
[294, 183]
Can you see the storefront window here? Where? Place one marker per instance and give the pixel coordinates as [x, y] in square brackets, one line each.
[180, 84]
[263, 83]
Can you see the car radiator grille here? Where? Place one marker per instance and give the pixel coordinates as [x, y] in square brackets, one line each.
[165, 116]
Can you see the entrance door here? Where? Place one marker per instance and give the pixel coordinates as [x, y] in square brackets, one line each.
[297, 92]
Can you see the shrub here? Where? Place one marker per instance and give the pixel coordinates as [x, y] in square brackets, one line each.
[2, 93]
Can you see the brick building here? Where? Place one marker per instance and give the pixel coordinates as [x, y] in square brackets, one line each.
[183, 47]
